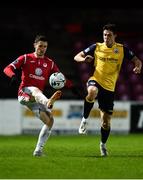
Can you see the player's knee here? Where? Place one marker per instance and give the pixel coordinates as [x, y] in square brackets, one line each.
[36, 113]
[92, 92]
[106, 121]
[47, 118]
[106, 125]
[23, 99]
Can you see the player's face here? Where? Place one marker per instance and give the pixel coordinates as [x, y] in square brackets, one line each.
[40, 48]
[109, 38]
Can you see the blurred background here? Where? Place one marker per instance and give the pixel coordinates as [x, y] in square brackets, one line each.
[69, 31]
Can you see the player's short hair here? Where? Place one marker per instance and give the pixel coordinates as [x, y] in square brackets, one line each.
[41, 38]
[110, 27]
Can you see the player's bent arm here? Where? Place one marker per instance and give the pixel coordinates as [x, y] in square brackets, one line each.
[80, 57]
[138, 65]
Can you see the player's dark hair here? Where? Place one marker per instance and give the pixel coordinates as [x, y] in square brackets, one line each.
[110, 27]
[41, 38]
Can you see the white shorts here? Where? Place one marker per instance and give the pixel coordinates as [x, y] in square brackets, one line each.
[25, 98]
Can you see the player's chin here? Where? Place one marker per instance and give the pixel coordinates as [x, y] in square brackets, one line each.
[41, 53]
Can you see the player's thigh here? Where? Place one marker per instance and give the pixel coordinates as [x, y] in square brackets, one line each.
[106, 101]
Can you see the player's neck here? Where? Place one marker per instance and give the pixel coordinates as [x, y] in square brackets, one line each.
[38, 56]
[110, 45]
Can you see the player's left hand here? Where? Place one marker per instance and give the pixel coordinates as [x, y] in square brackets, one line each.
[14, 81]
[137, 70]
[88, 59]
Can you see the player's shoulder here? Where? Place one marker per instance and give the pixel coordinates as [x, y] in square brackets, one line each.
[119, 45]
[49, 60]
[46, 58]
[99, 43]
[28, 55]
[24, 56]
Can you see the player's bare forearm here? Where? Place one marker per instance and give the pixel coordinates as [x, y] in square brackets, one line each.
[80, 57]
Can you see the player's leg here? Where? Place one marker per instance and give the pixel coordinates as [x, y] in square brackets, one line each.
[53, 98]
[41, 98]
[46, 116]
[105, 100]
[45, 132]
[43, 113]
[105, 131]
[88, 104]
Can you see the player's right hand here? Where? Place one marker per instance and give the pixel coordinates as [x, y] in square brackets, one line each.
[88, 58]
[14, 81]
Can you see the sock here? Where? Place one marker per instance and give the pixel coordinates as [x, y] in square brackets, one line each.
[83, 119]
[104, 134]
[87, 107]
[43, 137]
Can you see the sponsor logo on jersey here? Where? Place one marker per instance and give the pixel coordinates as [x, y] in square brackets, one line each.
[108, 59]
[38, 71]
[36, 77]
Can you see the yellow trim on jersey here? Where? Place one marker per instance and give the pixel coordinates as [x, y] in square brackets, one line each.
[107, 63]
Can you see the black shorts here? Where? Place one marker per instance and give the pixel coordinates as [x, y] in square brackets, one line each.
[105, 98]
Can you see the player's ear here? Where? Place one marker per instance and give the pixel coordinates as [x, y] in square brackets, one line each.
[34, 45]
[115, 35]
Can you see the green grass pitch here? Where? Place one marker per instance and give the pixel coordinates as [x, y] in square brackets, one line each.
[72, 157]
